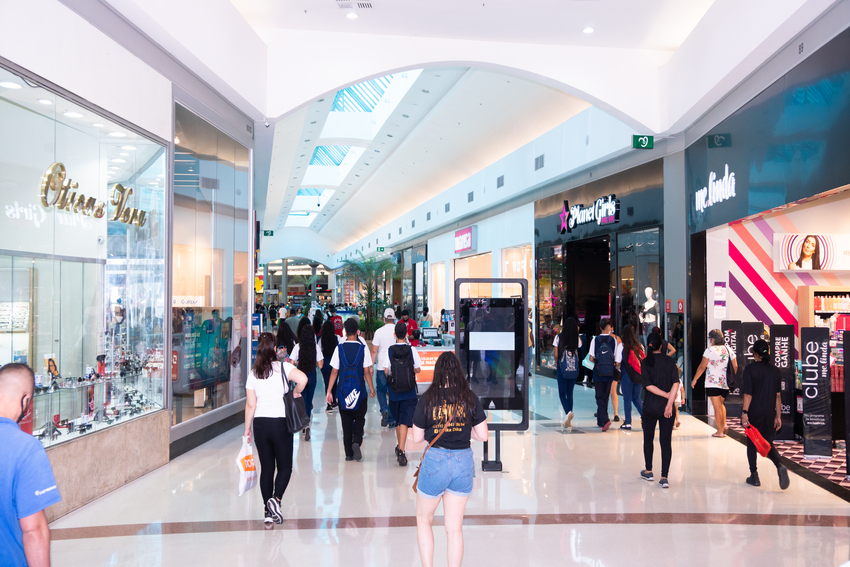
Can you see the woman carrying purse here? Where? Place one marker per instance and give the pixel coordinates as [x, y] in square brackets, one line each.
[265, 410]
[448, 415]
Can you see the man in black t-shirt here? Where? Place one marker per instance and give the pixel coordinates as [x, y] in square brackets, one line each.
[763, 410]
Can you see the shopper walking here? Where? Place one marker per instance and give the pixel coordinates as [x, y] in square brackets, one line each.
[404, 365]
[294, 319]
[451, 411]
[327, 346]
[269, 380]
[426, 320]
[381, 342]
[285, 341]
[318, 321]
[27, 485]
[352, 364]
[566, 350]
[606, 352]
[715, 363]
[661, 381]
[307, 357]
[630, 382]
[762, 409]
[336, 320]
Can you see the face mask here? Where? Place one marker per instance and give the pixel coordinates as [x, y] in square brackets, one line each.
[24, 406]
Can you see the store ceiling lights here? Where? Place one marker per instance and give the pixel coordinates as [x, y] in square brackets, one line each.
[124, 154]
[129, 148]
[72, 114]
[118, 160]
[97, 125]
[45, 101]
[10, 85]
[352, 16]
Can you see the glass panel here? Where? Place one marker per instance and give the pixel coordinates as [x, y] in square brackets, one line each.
[211, 286]
[550, 302]
[81, 261]
[639, 280]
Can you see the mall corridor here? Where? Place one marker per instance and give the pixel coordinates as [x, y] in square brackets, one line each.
[562, 499]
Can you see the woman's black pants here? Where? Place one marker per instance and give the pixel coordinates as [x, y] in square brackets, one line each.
[274, 447]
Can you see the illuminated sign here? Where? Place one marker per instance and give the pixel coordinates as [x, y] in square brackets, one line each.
[466, 239]
[66, 198]
[718, 190]
[606, 210]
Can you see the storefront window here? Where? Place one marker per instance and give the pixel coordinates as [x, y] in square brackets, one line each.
[210, 267]
[480, 266]
[550, 302]
[638, 281]
[81, 261]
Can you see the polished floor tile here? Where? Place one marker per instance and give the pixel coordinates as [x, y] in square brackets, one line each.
[563, 498]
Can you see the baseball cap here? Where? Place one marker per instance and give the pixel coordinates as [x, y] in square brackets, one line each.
[389, 313]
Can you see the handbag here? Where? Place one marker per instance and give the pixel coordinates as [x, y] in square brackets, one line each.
[762, 446]
[731, 378]
[431, 444]
[587, 363]
[296, 410]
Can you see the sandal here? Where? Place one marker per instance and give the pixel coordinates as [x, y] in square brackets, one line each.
[718, 435]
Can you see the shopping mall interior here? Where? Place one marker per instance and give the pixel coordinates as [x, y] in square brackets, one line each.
[511, 180]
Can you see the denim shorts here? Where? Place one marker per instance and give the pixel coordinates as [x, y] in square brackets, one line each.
[446, 470]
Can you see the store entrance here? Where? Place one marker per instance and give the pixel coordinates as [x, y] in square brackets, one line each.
[587, 282]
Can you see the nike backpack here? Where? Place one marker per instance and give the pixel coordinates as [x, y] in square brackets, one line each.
[350, 391]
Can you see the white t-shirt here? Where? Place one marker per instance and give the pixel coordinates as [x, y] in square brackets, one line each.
[339, 340]
[367, 356]
[718, 360]
[618, 352]
[297, 349]
[558, 340]
[417, 361]
[384, 338]
[269, 391]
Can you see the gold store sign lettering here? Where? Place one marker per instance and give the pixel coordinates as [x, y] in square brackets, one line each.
[66, 198]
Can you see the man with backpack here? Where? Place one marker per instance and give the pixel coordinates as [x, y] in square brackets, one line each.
[606, 352]
[404, 365]
[352, 363]
[382, 340]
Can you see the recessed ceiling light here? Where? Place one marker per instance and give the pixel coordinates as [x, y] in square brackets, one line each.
[129, 148]
[45, 101]
[117, 134]
[118, 160]
[176, 140]
[10, 85]
[113, 167]
[351, 16]
[73, 115]
[588, 29]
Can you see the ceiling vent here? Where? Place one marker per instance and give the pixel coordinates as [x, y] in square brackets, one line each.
[348, 4]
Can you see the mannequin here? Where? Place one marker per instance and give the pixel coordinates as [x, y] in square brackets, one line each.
[649, 313]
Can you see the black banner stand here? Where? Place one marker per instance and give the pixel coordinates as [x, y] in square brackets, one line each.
[782, 351]
[846, 404]
[817, 415]
[493, 466]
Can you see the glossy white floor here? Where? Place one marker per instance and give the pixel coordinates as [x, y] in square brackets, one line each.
[563, 499]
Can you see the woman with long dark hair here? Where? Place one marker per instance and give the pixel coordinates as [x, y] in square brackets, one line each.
[327, 346]
[307, 357]
[715, 364]
[566, 350]
[318, 320]
[661, 380]
[631, 389]
[809, 258]
[285, 341]
[265, 410]
[450, 407]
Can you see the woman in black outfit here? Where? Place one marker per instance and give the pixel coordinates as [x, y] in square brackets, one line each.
[763, 409]
[327, 345]
[285, 341]
[266, 412]
[661, 382]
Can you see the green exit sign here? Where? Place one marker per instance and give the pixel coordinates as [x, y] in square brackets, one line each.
[643, 142]
[268, 233]
[380, 249]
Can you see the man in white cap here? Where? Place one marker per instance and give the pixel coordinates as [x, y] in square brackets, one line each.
[381, 342]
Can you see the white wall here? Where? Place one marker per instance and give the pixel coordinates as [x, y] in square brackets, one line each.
[506, 230]
[52, 41]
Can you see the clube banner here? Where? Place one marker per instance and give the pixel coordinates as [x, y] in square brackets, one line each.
[733, 334]
[815, 383]
[782, 352]
[811, 252]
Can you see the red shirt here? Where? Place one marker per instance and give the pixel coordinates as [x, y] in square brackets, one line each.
[411, 326]
[337, 321]
[414, 342]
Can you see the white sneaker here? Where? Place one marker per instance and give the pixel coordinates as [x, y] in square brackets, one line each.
[568, 423]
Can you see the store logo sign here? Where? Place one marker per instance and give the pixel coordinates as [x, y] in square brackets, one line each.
[66, 198]
[718, 190]
[606, 210]
[466, 239]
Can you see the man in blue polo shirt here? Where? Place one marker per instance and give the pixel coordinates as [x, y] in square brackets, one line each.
[27, 486]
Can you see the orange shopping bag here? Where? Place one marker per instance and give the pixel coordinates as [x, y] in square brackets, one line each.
[762, 446]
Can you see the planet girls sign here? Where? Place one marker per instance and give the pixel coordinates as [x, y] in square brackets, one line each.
[606, 210]
[811, 252]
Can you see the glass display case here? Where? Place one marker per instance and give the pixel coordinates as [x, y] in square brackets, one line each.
[82, 260]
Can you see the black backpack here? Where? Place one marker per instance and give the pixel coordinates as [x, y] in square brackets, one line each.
[401, 375]
[604, 355]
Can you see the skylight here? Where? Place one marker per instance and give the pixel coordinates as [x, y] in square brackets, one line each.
[362, 97]
[329, 155]
[310, 192]
[300, 219]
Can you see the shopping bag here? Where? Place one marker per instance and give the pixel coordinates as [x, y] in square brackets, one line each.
[587, 363]
[634, 362]
[762, 446]
[247, 467]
